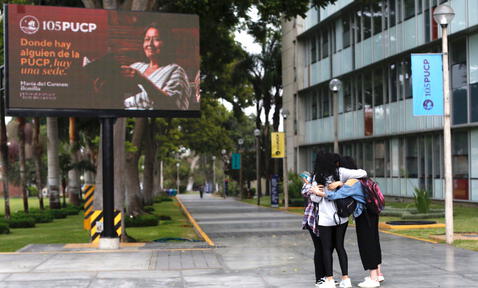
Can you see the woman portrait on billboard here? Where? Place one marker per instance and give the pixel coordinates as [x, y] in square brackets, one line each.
[162, 87]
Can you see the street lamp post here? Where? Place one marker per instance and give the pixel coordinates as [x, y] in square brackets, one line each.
[224, 163]
[335, 85]
[177, 177]
[241, 189]
[214, 173]
[285, 113]
[443, 15]
[257, 133]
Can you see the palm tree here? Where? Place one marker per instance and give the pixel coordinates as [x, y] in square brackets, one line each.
[73, 174]
[53, 162]
[21, 140]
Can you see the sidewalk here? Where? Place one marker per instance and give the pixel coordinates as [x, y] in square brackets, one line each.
[255, 247]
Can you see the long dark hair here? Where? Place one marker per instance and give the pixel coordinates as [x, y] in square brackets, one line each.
[325, 166]
[347, 162]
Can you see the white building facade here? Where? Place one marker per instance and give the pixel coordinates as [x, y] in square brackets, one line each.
[367, 45]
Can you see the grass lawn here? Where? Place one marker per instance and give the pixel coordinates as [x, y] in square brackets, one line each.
[16, 204]
[70, 229]
[465, 220]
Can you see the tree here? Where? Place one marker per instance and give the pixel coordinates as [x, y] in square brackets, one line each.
[21, 142]
[73, 174]
[53, 162]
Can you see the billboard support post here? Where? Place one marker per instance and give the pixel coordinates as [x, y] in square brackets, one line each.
[109, 239]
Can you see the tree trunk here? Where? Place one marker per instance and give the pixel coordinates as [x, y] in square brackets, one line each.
[135, 201]
[53, 162]
[21, 145]
[119, 134]
[149, 155]
[4, 165]
[98, 195]
[37, 159]
[157, 183]
[194, 162]
[74, 174]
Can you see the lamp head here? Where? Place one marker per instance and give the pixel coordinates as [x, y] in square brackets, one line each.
[257, 132]
[443, 15]
[335, 85]
[177, 164]
[285, 113]
[240, 141]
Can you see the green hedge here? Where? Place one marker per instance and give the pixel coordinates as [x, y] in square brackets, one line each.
[164, 217]
[57, 213]
[4, 228]
[17, 221]
[142, 221]
[39, 215]
[71, 210]
[149, 209]
[160, 199]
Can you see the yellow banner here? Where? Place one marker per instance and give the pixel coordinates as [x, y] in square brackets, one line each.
[277, 145]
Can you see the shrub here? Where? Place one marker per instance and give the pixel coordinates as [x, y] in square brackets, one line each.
[57, 213]
[17, 221]
[4, 228]
[149, 209]
[422, 200]
[141, 221]
[39, 215]
[295, 186]
[164, 217]
[71, 210]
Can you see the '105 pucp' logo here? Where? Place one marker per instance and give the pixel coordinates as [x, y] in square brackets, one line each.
[30, 25]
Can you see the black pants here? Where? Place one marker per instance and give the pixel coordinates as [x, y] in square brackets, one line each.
[333, 237]
[368, 240]
[318, 262]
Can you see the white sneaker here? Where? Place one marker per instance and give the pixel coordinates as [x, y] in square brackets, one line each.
[345, 283]
[327, 284]
[369, 283]
[380, 278]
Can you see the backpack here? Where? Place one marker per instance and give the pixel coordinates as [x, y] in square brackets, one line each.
[374, 200]
[345, 206]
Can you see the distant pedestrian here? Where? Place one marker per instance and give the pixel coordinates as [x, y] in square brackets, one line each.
[201, 191]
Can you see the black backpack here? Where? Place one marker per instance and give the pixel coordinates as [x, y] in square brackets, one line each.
[345, 206]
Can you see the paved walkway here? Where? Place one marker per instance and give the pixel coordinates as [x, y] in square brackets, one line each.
[255, 247]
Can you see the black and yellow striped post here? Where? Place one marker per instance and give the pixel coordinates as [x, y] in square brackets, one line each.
[88, 192]
[96, 229]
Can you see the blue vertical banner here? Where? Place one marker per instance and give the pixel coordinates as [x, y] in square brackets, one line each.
[427, 83]
[236, 161]
[275, 191]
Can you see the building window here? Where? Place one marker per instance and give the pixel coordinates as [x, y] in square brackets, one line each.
[367, 22]
[380, 159]
[313, 50]
[437, 156]
[358, 26]
[393, 82]
[325, 103]
[325, 44]
[314, 106]
[367, 89]
[346, 32]
[377, 17]
[409, 9]
[460, 165]
[378, 86]
[399, 11]
[459, 82]
[427, 21]
[368, 158]
[474, 101]
[348, 105]
[393, 13]
[411, 157]
[407, 68]
[358, 92]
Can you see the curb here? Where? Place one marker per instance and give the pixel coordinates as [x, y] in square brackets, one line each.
[195, 224]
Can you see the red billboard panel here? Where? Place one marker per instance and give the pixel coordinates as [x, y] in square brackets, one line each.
[72, 62]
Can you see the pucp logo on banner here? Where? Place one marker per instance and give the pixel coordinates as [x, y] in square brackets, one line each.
[29, 24]
[427, 82]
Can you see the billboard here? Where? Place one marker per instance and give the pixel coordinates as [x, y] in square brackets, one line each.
[427, 84]
[277, 145]
[91, 62]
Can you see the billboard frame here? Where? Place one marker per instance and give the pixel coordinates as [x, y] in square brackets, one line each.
[59, 112]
